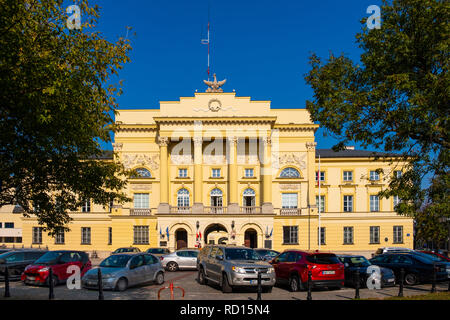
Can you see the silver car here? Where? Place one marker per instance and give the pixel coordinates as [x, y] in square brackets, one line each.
[181, 259]
[232, 267]
[121, 271]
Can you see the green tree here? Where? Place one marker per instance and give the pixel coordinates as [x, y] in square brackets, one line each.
[396, 98]
[56, 107]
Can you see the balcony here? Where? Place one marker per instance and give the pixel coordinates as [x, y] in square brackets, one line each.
[290, 211]
[140, 212]
[180, 209]
[250, 209]
[218, 210]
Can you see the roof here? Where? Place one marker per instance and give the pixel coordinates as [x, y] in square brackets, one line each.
[330, 153]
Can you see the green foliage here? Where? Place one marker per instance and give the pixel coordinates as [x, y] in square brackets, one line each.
[56, 105]
[396, 98]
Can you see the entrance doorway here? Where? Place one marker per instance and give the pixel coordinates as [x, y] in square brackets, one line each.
[251, 238]
[215, 233]
[181, 239]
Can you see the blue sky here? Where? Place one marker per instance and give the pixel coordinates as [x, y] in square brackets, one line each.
[261, 47]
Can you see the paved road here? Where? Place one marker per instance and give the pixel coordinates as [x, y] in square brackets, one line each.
[195, 291]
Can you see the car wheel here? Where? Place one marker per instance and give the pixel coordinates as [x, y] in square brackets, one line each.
[122, 284]
[201, 277]
[294, 283]
[226, 288]
[410, 279]
[159, 278]
[172, 266]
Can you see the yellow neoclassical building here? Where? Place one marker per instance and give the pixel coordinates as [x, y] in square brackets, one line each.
[218, 168]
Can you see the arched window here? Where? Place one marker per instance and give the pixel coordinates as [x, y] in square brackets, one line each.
[290, 173]
[216, 200]
[142, 173]
[248, 199]
[183, 198]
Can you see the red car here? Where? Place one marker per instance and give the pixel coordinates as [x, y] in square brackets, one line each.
[440, 256]
[59, 261]
[291, 267]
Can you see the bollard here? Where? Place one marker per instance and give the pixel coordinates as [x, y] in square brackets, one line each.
[433, 282]
[100, 285]
[51, 295]
[7, 294]
[259, 286]
[402, 278]
[357, 283]
[309, 297]
[448, 289]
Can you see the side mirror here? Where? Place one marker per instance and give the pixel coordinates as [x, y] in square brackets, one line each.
[220, 257]
[346, 265]
[132, 266]
[274, 261]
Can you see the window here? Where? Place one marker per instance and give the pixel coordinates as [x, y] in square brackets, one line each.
[109, 235]
[86, 235]
[183, 198]
[0, 225]
[321, 236]
[216, 198]
[322, 203]
[9, 225]
[374, 203]
[290, 235]
[290, 173]
[396, 201]
[348, 176]
[182, 173]
[348, 235]
[374, 176]
[111, 204]
[249, 173]
[141, 201]
[216, 173]
[289, 200]
[374, 234]
[59, 239]
[137, 261]
[398, 174]
[141, 173]
[249, 198]
[140, 234]
[37, 235]
[398, 234]
[348, 203]
[322, 176]
[86, 207]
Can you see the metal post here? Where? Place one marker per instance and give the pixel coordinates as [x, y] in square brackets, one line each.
[7, 294]
[309, 297]
[402, 278]
[259, 286]
[100, 285]
[357, 282]
[448, 289]
[433, 283]
[51, 295]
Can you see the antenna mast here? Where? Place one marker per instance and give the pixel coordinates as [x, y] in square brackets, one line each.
[207, 41]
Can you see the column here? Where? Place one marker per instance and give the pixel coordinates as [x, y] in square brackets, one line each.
[311, 154]
[198, 176]
[233, 204]
[266, 175]
[164, 176]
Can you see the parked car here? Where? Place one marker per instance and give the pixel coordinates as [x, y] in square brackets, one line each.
[16, 261]
[5, 250]
[436, 259]
[438, 255]
[418, 269]
[124, 270]
[232, 266]
[360, 263]
[391, 249]
[180, 260]
[125, 250]
[59, 261]
[267, 254]
[292, 266]
[158, 251]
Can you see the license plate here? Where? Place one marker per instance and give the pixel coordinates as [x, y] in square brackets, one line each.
[92, 283]
[31, 278]
[390, 280]
[328, 272]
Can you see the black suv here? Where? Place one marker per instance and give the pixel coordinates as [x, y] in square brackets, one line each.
[16, 261]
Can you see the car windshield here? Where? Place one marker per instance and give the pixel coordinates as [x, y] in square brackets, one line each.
[323, 259]
[241, 254]
[358, 261]
[49, 257]
[119, 261]
[5, 255]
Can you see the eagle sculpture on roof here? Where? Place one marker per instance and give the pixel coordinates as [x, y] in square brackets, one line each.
[214, 86]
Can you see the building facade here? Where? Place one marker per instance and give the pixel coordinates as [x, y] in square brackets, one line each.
[218, 168]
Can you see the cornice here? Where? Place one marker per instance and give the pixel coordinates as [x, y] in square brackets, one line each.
[204, 120]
